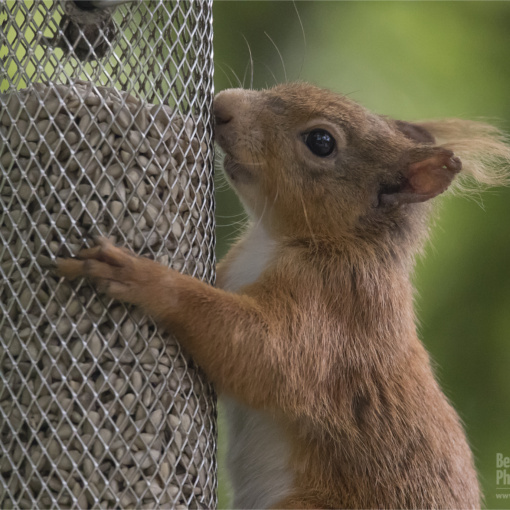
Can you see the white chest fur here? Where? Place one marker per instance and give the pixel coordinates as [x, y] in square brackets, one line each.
[258, 456]
[255, 253]
[258, 452]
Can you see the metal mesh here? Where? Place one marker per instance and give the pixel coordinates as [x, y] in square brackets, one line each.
[105, 129]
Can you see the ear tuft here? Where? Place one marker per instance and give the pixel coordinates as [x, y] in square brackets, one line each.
[484, 150]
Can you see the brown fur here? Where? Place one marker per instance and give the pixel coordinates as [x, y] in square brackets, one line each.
[325, 338]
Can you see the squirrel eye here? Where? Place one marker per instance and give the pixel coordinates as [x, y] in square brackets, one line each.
[320, 142]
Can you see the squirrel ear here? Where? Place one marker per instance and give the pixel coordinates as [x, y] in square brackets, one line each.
[414, 132]
[427, 173]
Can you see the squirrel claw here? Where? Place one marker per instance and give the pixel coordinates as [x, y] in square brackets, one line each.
[113, 269]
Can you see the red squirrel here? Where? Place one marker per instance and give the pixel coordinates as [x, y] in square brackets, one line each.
[310, 334]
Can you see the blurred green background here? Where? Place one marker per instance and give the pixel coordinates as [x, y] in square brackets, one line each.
[410, 60]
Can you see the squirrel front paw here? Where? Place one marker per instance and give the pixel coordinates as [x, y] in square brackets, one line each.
[117, 272]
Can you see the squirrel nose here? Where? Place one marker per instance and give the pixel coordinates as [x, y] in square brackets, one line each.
[222, 113]
[221, 117]
[229, 105]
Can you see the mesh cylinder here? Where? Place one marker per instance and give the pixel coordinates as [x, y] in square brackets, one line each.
[105, 129]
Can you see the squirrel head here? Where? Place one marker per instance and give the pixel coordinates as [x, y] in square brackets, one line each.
[307, 161]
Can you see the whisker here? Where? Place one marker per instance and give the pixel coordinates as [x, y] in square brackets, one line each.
[231, 225]
[280, 55]
[222, 187]
[222, 69]
[351, 93]
[236, 76]
[304, 38]
[308, 224]
[248, 163]
[245, 75]
[276, 194]
[262, 214]
[251, 61]
[272, 74]
[235, 235]
[231, 215]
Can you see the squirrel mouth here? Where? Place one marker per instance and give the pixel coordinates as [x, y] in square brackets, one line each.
[224, 136]
[236, 171]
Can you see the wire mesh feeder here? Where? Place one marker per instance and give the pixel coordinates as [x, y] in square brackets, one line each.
[104, 130]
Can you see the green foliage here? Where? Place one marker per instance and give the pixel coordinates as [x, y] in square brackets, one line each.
[410, 60]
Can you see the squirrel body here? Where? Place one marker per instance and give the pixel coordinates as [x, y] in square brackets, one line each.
[371, 426]
[310, 333]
